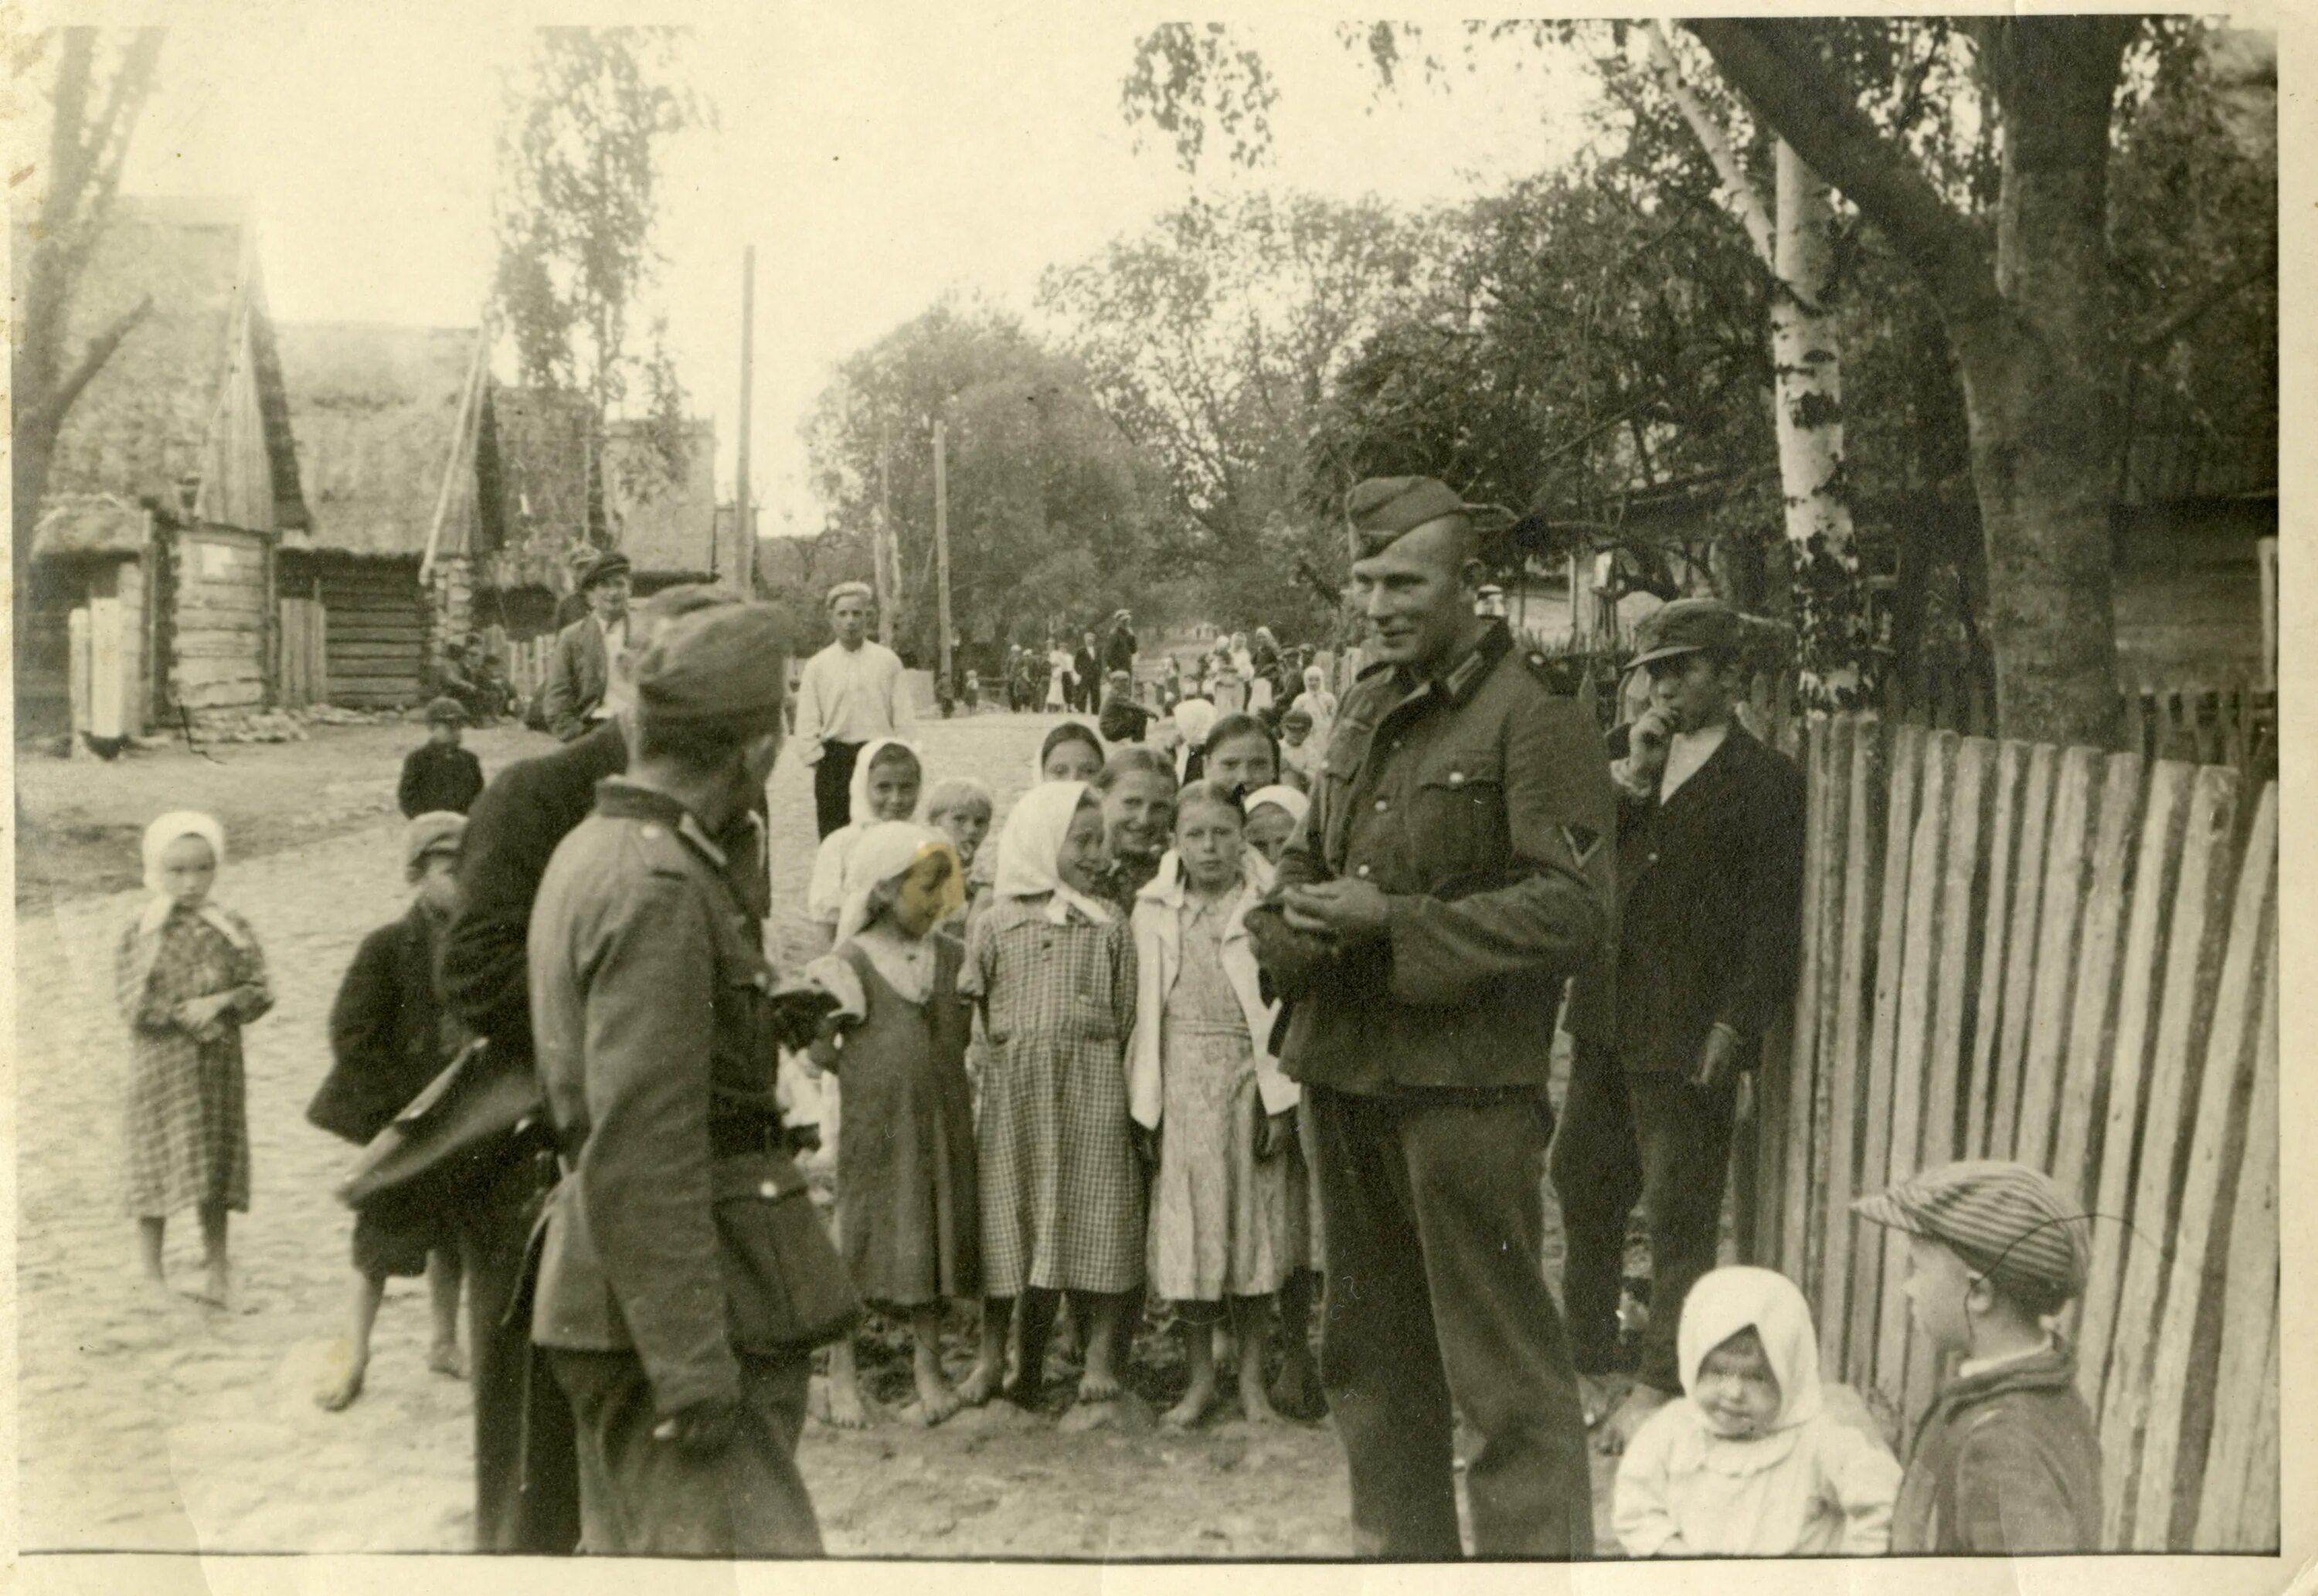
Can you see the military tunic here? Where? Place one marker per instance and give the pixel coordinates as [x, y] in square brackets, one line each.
[1479, 804]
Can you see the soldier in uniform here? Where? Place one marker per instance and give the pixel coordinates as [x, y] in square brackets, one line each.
[681, 1262]
[1453, 870]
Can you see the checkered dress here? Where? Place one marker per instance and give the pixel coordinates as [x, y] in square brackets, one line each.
[1062, 1197]
[188, 1134]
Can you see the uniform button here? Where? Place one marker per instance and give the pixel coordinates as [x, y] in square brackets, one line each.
[1652, 859]
[1383, 804]
[1362, 873]
[766, 1188]
[651, 831]
[1456, 779]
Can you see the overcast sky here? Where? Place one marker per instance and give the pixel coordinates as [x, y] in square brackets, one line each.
[875, 161]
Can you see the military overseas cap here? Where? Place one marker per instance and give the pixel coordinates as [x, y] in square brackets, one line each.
[447, 711]
[1383, 509]
[719, 670]
[603, 569]
[1688, 626]
[437, 831]
[2011, 1224]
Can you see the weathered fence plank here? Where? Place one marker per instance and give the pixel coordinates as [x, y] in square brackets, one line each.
[1795, 1187]
[2068, 860]
[2192, 955]
[2004, 831]
[2200, 1240]
[2020, 949]
[2092, 1027]
[1885, 1255]
[1862, 863]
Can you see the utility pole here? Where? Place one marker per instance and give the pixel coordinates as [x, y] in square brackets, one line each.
[888, 599]
[941, 538]
[744, 567]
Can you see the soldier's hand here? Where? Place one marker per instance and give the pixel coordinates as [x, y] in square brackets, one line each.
[1351, 911]
[1718, 1059]
[703, 1429]
[1648, 740]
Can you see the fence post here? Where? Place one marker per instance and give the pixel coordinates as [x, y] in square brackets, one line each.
[1875, 1149]
[1846, 1062]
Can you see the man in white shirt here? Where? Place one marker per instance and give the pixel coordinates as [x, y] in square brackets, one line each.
[579, 671]
[850, 692]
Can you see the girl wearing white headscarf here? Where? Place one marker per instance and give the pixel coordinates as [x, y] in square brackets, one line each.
[1273, 813]
[1747, 1461]
[188, 976]
[874, 797]
[1194, 718]
[908, 1221]
[1317, 702]
[1052, 971]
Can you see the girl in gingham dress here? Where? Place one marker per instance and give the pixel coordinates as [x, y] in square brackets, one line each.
[1052, 969]
[188, 975]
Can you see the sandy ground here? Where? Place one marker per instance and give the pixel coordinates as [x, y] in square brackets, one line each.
[176, 1427]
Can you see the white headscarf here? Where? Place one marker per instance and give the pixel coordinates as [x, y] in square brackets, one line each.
[158, 836]
[883, 852]
[1195, 717]
[1727, 1301]
[858, 811]
[1286, 797]
[1032, 846]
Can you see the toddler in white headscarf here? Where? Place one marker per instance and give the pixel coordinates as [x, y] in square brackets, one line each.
[1748, 1463]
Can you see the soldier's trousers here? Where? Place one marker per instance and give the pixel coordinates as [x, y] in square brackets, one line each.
[527, 1470]
[1437, 1303]
[1653, 1138]
[644, 1497]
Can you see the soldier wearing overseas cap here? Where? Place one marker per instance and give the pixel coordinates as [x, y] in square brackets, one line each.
[1454, 868]
[581, 667]
[670, 1280]
[1710, 931]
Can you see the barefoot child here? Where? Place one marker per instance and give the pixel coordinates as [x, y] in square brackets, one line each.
[908, 1222]
[1137, 790]
[886, 780]
[388, 1040]
[188, 975]
[1052, 970]
[960, 808]
[1228, 1212]
[2007, 1460]
[1273, 813]
[1748, 1463]
[1071, 752]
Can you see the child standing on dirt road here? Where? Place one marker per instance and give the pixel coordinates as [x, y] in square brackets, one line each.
[439, 775]
[188, 975]
[1052, 969]
[389, 1039]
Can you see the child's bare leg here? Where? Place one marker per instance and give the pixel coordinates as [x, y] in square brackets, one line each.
[989, 1370]
[1199, 1358]
[1038, 1306]
[148, 1249]
[344, 1383]
[1065, 1342]
[846, 1409]
[217, 1284]
[1101, 1312]
[445, 1275]
[1297, 1391]
[1252, 1316]
[937, 1400]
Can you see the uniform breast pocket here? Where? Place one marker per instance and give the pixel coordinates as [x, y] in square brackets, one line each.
[1460, 820]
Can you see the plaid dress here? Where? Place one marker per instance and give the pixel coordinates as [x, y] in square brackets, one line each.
[187, 1133]
[1061, 1195]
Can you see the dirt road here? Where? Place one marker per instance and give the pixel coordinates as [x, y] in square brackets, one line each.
[180, 1428]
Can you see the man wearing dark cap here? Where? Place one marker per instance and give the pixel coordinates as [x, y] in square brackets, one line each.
[527, 1468]
[579, 667]
[1710, 885]
[1454, 869]
[667, 1294]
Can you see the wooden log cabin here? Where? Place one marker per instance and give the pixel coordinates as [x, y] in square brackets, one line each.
[398, 456]
[154, 561]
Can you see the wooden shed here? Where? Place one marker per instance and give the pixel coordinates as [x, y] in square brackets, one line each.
[394, 442]
[174, 479]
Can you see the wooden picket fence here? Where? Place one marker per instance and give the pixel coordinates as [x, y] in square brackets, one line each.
[2067, 956]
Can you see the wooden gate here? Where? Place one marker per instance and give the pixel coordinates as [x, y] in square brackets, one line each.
[374, 632]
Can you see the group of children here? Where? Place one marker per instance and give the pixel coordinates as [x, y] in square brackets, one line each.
[1053, 1081]
[1057, 1089]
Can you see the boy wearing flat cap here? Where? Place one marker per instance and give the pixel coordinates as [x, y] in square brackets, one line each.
[2007, 1460]
[581, 667]
[1452, 870]
[439, 775]
[679, 1249]
[1709, 904]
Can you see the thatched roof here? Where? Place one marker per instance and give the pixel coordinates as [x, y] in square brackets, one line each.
[91, 524]
[376, 411]
[144, 420]
[662, 526]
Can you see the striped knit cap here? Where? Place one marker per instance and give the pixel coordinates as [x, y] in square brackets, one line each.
[2011, 1224]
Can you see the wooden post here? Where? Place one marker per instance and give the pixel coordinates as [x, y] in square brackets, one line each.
[77, 678]
[106, 699]
[2266, 551]
[887, 599]
[744, 568]
[941, 536]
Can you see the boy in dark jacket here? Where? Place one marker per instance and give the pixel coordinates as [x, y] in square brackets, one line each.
[389, 1039]
[439, 777]
[1710, 860]
[2007, 1460]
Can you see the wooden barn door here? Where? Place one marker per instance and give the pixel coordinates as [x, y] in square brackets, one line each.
[374, 633]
